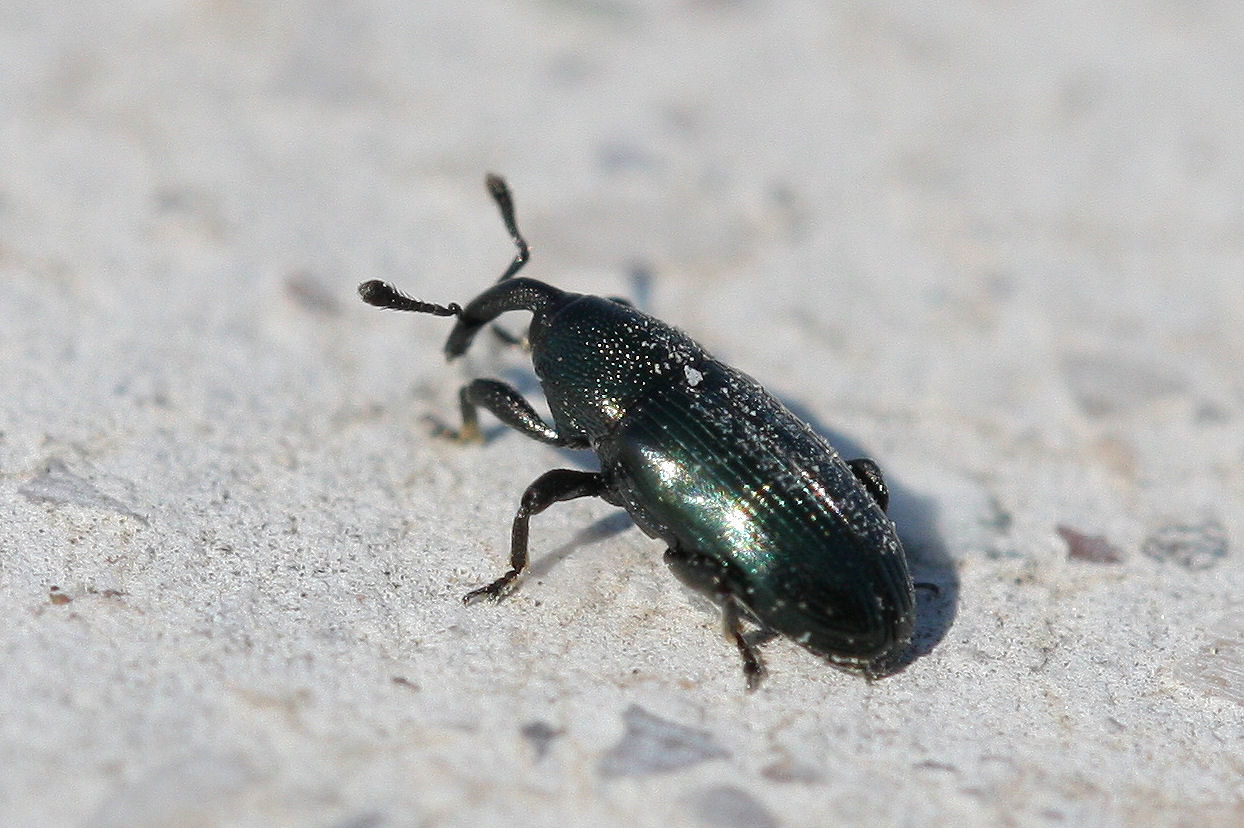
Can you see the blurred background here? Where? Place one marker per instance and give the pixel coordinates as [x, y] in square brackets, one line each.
[997, 247]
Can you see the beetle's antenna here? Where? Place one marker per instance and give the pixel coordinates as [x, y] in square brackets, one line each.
[384, 295]
[501, 194]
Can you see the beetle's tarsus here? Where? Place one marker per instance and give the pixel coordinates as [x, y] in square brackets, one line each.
[753, 670]
[495, 591]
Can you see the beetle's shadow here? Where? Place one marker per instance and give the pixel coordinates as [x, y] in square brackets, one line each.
[935, 573]
[599, 530]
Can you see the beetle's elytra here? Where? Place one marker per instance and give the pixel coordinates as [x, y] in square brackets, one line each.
[758, 511]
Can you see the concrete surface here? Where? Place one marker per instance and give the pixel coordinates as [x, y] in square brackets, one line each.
[998, 247]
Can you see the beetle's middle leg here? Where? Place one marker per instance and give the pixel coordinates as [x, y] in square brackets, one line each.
[551, 487]
[508, 406]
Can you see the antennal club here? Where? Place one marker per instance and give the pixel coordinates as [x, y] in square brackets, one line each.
[384, 295]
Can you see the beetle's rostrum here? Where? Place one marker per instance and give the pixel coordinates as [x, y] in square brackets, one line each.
[758, 510]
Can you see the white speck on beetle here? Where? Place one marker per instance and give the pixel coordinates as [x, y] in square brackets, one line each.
[693, 376]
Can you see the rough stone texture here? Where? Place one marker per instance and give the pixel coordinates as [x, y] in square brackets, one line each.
[998, 247]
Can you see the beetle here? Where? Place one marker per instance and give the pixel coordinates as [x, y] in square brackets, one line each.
[757, 510]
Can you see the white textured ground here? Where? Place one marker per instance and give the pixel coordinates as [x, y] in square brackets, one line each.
[998, 247]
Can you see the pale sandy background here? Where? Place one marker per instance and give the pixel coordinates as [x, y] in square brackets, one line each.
[997, 246]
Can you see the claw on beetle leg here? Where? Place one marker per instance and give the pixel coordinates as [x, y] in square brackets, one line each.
[495, 591]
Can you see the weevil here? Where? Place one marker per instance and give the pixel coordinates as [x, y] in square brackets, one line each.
[756, 508]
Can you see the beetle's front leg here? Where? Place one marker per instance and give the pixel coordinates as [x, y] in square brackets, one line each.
[551, 487]
[508, 406]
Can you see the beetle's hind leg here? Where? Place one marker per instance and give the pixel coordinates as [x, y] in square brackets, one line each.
[705, 575]
[507, 405]
[551, 487]
[869, 473]
[732, 625]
